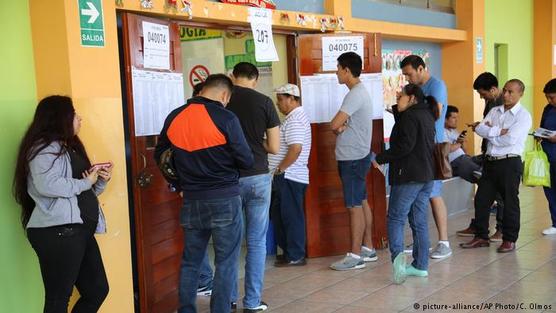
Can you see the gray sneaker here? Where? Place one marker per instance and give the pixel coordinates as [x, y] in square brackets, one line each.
[369, 256]
[441, 251]
[409, 249]
[348, 263]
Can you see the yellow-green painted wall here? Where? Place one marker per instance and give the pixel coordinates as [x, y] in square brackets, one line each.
[21, 288]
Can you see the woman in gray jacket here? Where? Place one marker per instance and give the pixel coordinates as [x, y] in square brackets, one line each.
[57, 189]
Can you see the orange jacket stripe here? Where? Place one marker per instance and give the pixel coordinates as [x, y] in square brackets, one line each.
[193, 130]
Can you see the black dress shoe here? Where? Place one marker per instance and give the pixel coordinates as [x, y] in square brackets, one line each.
[299, 262]
[477, 242]
[506, 246]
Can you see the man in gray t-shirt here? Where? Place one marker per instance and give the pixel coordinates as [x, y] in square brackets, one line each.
[354, 143]
[353, 126]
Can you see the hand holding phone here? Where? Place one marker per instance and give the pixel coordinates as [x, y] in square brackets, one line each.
[99, 166]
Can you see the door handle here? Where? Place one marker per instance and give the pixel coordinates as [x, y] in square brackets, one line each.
[144, 178]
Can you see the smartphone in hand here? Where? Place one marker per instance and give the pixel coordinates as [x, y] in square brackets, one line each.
[99, 166]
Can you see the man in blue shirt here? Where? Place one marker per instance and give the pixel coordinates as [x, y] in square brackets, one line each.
[414, 69]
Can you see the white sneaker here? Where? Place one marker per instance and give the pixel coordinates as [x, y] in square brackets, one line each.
[549, 231]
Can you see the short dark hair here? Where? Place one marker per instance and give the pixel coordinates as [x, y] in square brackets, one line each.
[451, 109]
[485, 81]
[518, 82]
[550, 87]
[246, 70]
[219, 81]
[414, 60]
[352, 61]
[197, 88]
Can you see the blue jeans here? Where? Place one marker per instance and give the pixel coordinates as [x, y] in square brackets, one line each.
[410, 200]
[255, 198]
[200, 219]
[205, 272]
[287, 211]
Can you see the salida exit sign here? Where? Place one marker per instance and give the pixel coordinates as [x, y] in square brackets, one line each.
[91, 22]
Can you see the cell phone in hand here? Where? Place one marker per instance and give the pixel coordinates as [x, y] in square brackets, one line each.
[463, 134]
[99, 166]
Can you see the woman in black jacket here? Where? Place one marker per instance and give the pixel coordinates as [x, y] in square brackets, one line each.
[411, 174]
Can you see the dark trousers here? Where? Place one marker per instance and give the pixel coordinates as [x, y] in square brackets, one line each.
[464, 166]
[502, 176]
[550, 193]
[288, 216]
[480, 161]
[69, 255]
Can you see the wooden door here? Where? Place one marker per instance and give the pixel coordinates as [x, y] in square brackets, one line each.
[328, 230]
[158, 237]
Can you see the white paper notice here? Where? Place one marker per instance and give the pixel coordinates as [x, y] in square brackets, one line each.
[333, 47]
[322, 96]
[155, 95]
[156, 46]
[261, 25]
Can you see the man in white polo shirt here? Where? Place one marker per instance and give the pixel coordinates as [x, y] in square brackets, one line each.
[291, 177]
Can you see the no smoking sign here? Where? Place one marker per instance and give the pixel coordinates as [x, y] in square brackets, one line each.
[198, 74]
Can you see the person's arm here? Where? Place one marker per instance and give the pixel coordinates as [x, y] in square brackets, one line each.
[338, 123]
[349, 106]
[293, 153]
[241, 152]
[294, 137]
[403, 145]
[46, 172]
[484, 127]
[519, 130]
[455, 146]
[272, 142]
[163, 143]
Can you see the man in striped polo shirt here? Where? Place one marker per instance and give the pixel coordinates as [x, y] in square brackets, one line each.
[291, 177]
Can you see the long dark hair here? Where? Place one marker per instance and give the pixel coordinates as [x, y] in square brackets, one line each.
[417, 92]
[53, 121]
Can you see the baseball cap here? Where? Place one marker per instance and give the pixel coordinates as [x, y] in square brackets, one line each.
[288, 89]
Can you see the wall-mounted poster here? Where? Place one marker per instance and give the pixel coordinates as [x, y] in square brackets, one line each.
[393, 80]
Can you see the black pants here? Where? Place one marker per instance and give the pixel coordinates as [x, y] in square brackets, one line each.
[503, 177]
[69, 255]
[464, 166]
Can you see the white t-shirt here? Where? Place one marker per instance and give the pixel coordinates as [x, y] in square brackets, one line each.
[451, 137]
[295, 129]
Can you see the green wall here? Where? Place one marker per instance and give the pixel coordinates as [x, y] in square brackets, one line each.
[511, 22]
[21, 288]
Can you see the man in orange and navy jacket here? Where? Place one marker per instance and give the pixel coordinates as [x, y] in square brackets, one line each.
[209, 149]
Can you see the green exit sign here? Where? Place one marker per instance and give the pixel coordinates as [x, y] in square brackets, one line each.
[91, 23]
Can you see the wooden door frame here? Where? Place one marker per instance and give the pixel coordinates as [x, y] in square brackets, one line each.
[130, 145]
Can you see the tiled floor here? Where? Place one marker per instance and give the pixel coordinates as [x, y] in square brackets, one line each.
[525, 278]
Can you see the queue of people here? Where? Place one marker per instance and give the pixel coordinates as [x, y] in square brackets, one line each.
[239, 168]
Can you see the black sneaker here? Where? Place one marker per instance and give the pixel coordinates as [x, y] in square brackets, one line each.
[233, 307]
[205, 290]
[299, 262]
[262, 307]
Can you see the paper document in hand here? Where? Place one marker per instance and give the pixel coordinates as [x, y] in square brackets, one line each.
[544, 133]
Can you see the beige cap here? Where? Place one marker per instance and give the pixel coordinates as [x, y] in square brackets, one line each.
[288, 89]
